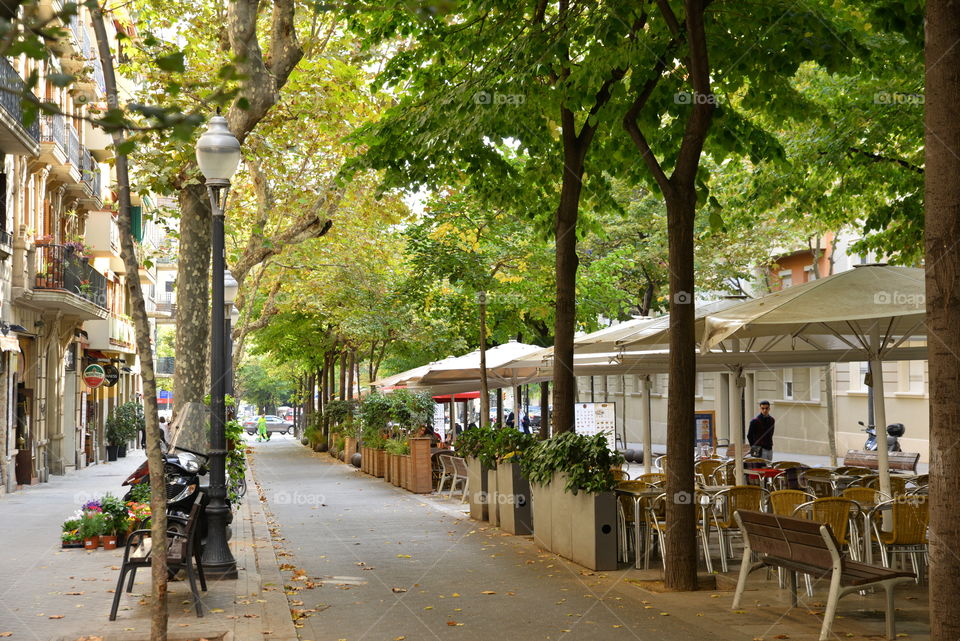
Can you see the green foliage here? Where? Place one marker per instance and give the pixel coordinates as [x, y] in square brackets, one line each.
[314, 433]
[236, 460]
[491, 445]
[397, 446]
[373, 437]
[411, 409]
[125, 422]
[92, 524]
[115, 514]
[140, 493]
[262, 383]
[339, 414]
[585, 460]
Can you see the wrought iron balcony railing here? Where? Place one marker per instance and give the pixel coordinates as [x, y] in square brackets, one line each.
[60, 268]
[165, 365]
[11, 88]
[53, 128]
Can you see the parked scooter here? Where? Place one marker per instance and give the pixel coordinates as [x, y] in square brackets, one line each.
[894, 432]
[182, 471]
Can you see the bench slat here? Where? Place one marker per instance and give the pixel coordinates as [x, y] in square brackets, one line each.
[896, 460]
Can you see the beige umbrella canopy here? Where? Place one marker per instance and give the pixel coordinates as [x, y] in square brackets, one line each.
[409, 377]
[465, 370]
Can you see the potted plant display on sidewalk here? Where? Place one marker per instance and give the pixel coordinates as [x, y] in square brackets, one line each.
[116, 519]
[476, 445]
[512, 496]
[70, 534]
[91, 527]
[574, 506]
[123, 424]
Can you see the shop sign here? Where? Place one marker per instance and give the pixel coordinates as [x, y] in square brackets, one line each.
[94, 375]
[112, 375]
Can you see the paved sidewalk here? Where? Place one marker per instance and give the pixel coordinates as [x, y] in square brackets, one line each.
[382, 563]
[50, 594]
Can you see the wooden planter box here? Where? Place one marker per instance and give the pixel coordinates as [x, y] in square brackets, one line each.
[477, 475]
[581, 527]
[395, 469]
[349, 448]
[380, 463]
[386, 467]
[420, 471]
[404, 471]
[513, 500]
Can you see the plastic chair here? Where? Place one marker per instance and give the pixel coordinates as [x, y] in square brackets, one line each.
[911, 515]
[725, 503]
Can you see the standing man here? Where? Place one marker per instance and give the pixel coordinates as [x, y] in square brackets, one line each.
[262, 433]
[760, 433]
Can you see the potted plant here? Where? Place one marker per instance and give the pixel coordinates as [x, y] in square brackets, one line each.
[574, 506]
[70, 533]
[511, 498]
[91, 527]
[116, 520]
[123, 424]
[476, 445]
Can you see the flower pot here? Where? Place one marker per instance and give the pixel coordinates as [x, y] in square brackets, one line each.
[112, 451]
[122, 450]
[71, 544]
[91, 543]
[109, 541]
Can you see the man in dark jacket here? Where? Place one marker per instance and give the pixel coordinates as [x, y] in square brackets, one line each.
[760, 433]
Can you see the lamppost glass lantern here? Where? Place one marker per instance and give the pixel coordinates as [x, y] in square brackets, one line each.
[230, 289]
[218, 151]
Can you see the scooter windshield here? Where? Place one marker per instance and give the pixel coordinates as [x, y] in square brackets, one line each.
[190, 429]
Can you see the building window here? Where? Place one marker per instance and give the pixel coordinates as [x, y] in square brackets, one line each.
[786, 279]
[788, 384]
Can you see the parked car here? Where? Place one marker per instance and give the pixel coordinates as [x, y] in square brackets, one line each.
[275, 425]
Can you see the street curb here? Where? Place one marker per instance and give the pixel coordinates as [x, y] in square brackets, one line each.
[276, 610]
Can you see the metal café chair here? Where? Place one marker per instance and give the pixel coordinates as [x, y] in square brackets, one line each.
[911, 515]
[818, 481]
[839, 514]
[653, 478]
[703, 470]
[619, 475]
[657, 510]
[725, 503]
[631, 516]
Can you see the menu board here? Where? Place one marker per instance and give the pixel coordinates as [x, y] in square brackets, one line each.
[706, 433]
[596, 418]
[440, 421]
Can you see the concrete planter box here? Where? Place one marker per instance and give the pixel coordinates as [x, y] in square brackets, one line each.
[493, 506]
[477, 475]
[581, 527]
[513, 499]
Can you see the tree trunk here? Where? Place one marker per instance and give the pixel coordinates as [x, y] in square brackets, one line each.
[158, 500]
[565, 231]
[343, 373]
[350, 371]
[544, 410]
[193, 298]
[942, 220]
[484, 386]
[681, 554]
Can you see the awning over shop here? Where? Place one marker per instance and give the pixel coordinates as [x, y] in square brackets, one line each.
[9, 344]
[464, 396]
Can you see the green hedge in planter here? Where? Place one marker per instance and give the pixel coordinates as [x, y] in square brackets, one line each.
[586, 461]
[492, 444]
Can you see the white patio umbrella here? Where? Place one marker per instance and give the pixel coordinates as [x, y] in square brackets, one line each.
[407, 378]
[873, 309]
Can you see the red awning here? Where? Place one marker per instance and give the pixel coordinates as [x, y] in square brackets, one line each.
[464, 396]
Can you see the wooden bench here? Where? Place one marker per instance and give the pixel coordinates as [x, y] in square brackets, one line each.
[799, 545]
[897, 460]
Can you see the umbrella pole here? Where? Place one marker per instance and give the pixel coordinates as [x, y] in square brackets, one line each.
[647, 428]
[879, 410]
[736, 422]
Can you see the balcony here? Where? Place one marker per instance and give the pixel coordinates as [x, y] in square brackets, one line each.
[102, 237]
[67, 283]
[111, 334]
[88, 190]
[166, 307]
[164, 366]
[14, 137]
[60, 148]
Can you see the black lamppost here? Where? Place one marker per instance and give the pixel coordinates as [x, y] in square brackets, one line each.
[218, 154]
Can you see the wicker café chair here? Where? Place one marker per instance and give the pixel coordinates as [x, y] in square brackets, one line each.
[838, 514]
[854, 470]
[783, 465]
[724, 474]
[911, 515]
[703, 470]
[818, 481]
[661, 463]
[619, 475]
[866, 497]
[898, 484]
[656, 479]
[725, 503]
[657, 510]
[627, 518]
[784, 502]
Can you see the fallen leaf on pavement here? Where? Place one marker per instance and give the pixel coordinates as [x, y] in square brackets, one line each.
[55, 616]
[453, 623]
[488, 592]
[6, 634]
[398, 590]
